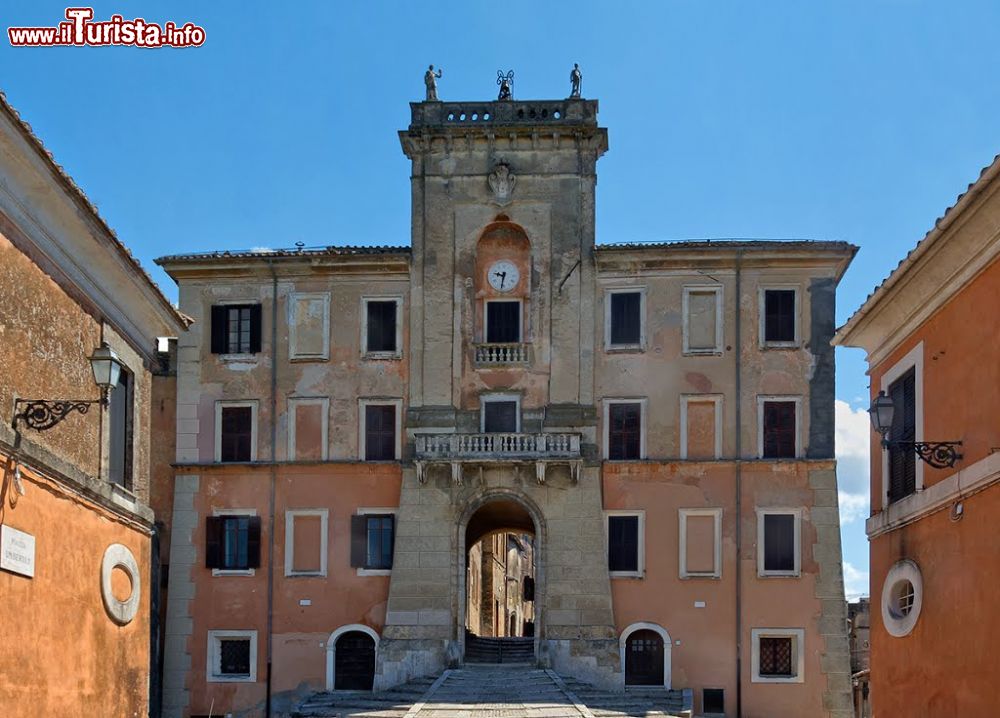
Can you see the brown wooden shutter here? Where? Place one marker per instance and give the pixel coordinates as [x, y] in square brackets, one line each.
[220, 330]
[213, 541]
[255, 323]
[359, 541]
[253, 542]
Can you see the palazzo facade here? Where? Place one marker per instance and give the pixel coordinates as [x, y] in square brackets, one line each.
[351, 422]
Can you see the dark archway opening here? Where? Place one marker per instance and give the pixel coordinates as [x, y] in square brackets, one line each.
[644, 658]
[500, 583]
[355, 662]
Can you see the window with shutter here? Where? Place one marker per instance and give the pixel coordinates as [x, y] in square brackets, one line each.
[625, 319]
[380, 432]
[372, 537]
[500, 416]
[232, 542]
[779, 316]
[236, 329]
[623, 544]
[902, 460]
[381, 326]
[625, 431]
[120, 431]
[503, 322]
[236, 438]
[776, 656]
[779, 430]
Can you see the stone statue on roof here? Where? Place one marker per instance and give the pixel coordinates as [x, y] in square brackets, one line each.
[430, 81]
[575, 80]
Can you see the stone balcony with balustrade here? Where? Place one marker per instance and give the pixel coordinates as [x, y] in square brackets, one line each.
[500, 355]
[457, 450]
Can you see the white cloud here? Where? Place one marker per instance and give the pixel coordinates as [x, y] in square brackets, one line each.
[855, 582]
[852, 437]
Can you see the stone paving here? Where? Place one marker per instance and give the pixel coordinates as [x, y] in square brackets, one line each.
[491, 691]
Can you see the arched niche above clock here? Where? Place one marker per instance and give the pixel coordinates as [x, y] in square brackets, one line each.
[502, 282]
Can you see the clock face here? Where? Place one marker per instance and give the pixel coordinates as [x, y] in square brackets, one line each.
[503, 276]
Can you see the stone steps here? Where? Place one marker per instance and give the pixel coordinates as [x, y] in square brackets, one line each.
[499, 650]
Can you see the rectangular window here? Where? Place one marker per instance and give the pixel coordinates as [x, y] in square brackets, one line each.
[779, 317]
[779, 428]
[309, 326]
[232, 541]
[381, 326]
[713, 700]
[624, 319]
[379, 432]
[501, 415]
[902, 460]
[306, 542]
[778, 542]
[372, 537]
[236, 431]
[624, 431]
[232, 656]
[120, 431]
[777, 655]
[236, 328]
[702, 307]
[700, 543]
[625, 544]
[308, 422]
[503, 322]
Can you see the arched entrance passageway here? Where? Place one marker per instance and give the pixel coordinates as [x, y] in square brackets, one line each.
[500, 559]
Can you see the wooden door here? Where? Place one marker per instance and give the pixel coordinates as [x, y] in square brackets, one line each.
[644, 659]
[354, 666]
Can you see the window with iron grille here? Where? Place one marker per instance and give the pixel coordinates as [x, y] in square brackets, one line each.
[499, 416]
[503, 322]
[234, 657]
[903, 460]
[623, 543]
[236, 329]
[380, 432]
[236, 434]
[372, 537]
[713, 700]
[779, 316]
[381, 321]
[625, 431]
[779, 430]
[625, 319]
[779, 542]
[776, 656]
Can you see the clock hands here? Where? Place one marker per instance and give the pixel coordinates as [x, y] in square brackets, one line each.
[503, 277]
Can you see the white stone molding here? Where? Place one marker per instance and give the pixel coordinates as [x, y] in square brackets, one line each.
[687, 399]
[903, 577]
[213, 669]
[667, 645]
[798, 654]
[687, 291]
[118, 556]
[682, 517]
[914, 359]
[290, 516]
[761, 316]
[331, 649]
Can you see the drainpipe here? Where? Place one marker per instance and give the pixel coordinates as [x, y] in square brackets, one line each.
[273, 479]
[739, 487]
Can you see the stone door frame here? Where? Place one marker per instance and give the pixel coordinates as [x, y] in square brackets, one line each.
[535, 512]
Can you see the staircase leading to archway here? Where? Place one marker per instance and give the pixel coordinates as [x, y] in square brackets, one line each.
[499, 650]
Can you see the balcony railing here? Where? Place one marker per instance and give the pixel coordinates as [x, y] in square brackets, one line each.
[497, 447]
[502, 354]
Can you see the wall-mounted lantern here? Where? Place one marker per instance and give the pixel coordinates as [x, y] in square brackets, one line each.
[939, 454]
[43, 414]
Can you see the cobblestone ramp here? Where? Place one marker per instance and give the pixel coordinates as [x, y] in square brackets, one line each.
[494, 692]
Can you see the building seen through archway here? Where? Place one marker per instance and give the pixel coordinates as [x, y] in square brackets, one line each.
[500, 586]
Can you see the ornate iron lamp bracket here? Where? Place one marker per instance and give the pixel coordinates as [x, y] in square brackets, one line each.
[43, 414]
[939, 454]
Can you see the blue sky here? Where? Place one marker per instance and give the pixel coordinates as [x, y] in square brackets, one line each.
[859, 121]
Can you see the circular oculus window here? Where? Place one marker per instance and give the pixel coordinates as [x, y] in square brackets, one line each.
[902, 598]
[116, 556]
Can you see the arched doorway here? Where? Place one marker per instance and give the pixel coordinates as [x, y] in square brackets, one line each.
[350, 658]
[645, 655]
[500, 554]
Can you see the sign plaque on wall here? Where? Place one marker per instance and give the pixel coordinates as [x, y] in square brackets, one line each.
[17, 551]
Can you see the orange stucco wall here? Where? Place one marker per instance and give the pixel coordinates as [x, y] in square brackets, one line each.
[60, 652]
[705, 656]
[948, 664]
[240, 602]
